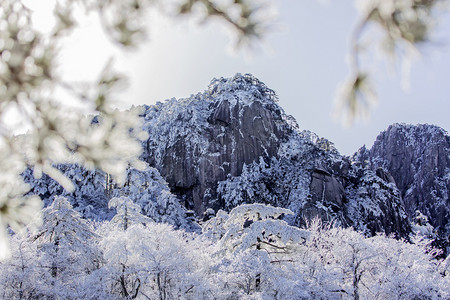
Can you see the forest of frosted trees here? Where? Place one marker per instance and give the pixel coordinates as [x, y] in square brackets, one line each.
[248, 253]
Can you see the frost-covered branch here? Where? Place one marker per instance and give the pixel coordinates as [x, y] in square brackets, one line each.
[404, 26]
[57, 133]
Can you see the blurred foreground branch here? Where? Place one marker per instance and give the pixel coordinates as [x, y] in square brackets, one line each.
[108, 139]
[402, 27]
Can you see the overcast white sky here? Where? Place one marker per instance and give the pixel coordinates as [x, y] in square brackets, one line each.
[304, 63]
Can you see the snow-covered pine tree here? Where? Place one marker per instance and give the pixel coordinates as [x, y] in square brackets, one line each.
[127, 213]
[68, 247]
[88, 197]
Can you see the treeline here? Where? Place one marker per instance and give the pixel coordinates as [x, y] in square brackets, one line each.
[248, 253]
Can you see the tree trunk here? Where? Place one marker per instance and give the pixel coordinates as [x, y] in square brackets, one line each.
[123, 284]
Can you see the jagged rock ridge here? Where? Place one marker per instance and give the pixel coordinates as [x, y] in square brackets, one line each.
[233, 144]
[418, 158]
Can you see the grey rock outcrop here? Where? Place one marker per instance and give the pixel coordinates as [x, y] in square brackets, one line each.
[418, 158]
[326, 188]
[199, 141]
[351, 195]
[327, 197]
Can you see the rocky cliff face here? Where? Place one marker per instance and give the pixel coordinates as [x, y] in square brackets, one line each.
[199, 141]
[375, 204]
[418, 158]
[233, 144]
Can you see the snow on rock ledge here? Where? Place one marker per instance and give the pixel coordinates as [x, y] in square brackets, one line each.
[199, 141]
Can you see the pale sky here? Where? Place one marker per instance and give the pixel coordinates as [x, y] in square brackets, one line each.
[303, 61]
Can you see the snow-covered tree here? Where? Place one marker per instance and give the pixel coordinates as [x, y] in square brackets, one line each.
[405, 271]
[249, 253]
[154, 262]
[21, 274]
[250, 187]
[150, 191]
[421, 226]
[257, 244]
[375, 205]
[68, 249]
[260, 226]
[89, 196]
[342, 263]
[127, 213]
[93, 190]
